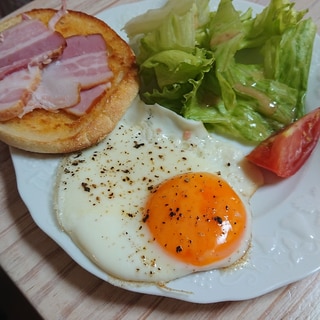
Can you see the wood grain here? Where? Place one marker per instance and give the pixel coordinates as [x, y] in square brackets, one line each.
[60, 289]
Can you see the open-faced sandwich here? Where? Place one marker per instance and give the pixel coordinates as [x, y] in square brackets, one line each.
[66, 79]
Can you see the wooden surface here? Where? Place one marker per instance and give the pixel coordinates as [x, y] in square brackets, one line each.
[60, 289]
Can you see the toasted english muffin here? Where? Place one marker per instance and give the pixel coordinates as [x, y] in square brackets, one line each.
[59, 132]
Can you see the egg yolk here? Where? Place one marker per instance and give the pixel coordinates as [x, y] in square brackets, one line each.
[197, 218]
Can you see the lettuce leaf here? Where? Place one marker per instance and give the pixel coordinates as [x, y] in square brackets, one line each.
[158, 87]
[243, 76]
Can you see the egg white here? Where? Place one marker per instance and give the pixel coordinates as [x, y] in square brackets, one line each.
[100, 192]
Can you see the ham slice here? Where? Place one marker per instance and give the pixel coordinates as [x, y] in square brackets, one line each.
[28, 43]
[15, 90]
[82, 66]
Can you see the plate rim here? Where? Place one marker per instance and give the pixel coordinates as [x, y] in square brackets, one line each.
[18, 156]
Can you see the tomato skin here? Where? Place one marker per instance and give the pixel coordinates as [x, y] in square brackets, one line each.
[285, 152]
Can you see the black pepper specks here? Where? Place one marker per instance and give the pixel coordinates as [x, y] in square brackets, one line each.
[145, 218]
[85, 187]
[137, 145]
[218, 219]
[172, 214]
[178, 249]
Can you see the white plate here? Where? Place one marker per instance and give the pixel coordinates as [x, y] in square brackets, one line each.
[286, 223]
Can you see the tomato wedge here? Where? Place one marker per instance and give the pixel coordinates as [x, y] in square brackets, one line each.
[285, 152]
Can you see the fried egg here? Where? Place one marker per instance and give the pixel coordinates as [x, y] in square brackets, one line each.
[158, 199]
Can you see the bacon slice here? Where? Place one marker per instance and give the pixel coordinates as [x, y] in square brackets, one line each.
[28, 43]
[87, 99]
[84, 61]
[82, 66]
[58, 15]
[52, 95]
[15, 90]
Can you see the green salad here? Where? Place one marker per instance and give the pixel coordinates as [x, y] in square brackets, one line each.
[242, 75]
